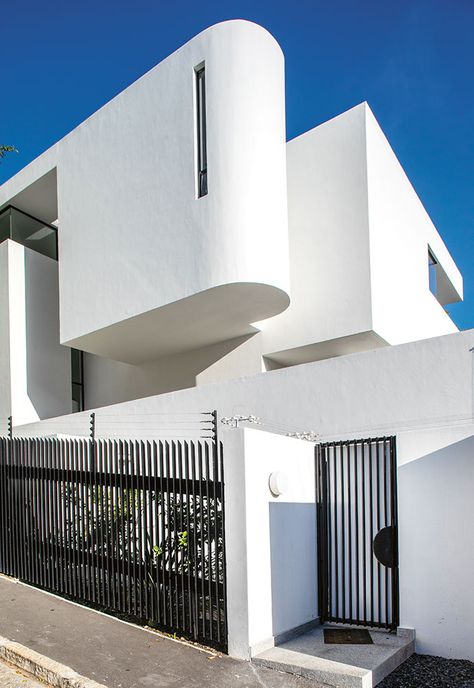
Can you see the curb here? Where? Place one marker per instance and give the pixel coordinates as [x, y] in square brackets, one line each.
[43, 668]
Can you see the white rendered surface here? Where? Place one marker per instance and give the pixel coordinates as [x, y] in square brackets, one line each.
[282, 589]
[143, 240]
[403, 307]
[436, 510]
[359, 239]
[138, 251]
[35, 368]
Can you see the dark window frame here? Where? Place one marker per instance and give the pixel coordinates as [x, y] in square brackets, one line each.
[201, 130]
[77, 384]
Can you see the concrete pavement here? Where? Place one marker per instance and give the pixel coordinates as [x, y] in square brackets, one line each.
[118, 654]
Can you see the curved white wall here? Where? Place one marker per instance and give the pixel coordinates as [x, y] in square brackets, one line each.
[133, 235]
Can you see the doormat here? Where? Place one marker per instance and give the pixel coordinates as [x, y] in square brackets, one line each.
[347, 636]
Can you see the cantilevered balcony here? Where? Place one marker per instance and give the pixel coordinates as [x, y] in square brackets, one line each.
[28, 231]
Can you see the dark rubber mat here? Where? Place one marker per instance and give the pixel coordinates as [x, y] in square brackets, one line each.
[347, 636]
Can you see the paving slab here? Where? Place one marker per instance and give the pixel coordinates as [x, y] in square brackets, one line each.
[342, 666]
[118, 654]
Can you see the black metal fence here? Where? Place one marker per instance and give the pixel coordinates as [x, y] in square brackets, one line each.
[356, 485]
[133, 527]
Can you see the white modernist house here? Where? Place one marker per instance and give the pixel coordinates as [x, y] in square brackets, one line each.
[174, 253]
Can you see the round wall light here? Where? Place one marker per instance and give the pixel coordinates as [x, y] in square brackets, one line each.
[278, 483]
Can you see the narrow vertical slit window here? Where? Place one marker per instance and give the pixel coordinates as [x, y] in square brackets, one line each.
[77, 380]
[201, 130]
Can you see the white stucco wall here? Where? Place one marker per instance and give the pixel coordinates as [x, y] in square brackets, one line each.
[329, 241]
[281, 537]
[270, 541]
[403, 307]
[35, 367]
[5, 387]
[436, 512]
[143, 240]
[359, 239]
[406, 388]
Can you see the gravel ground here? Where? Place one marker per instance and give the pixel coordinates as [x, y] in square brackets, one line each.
[424, 671]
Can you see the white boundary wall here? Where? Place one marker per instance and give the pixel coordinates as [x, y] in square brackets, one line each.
[436, 515]
[270, 541]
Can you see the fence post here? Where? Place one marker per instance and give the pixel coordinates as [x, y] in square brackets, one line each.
[92, 442]
[10, 427]
[215, 437]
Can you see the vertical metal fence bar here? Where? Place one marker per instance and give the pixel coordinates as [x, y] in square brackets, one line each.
[44, 526]
[386, 497]
[182, 537]
[343, 533]
[168, 536]
[215, 478]
[21, 511]
[55, 524]
[16, 510]
[371, 507]
[110, 524]
[223, 554]
[395, 573]
[119, 530]
[349, 447]
[174, 550]
[163, 539]
[132, 498]
[143, 531]
[123, 551]
[329, 533]
[202, 542]
[336, 534]
[3, 485]
[195, 604]
[357, 513]
[208, 593]
[189, 611]
[100, 558]
[107, 556]
[154, 534]
[378, 498]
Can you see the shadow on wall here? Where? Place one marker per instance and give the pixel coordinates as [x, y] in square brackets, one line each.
[436, 512]
[293, 564]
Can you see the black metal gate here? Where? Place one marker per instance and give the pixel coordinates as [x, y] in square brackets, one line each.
[356, 492]
[133, 527]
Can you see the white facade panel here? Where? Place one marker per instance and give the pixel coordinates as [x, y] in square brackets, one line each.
[403, 307]
[133, 235]
[329, 241]
[35, 368]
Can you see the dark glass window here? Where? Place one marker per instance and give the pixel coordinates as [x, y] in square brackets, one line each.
[433, 276]
[77, 380]
[201, 130]
[28, 231]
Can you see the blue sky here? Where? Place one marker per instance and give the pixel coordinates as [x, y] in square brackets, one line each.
[412, 60]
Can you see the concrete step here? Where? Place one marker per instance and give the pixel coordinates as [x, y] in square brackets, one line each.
[341, 666]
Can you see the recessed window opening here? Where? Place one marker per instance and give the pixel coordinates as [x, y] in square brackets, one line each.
[77, 380]
[433, 273]
[201, 130]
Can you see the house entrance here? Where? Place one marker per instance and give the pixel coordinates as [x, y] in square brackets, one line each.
[356, 493]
